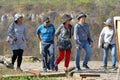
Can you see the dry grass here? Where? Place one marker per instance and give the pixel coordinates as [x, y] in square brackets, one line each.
[4, 70]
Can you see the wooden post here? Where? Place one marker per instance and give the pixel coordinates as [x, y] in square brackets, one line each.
[40, 47]
[117, 31]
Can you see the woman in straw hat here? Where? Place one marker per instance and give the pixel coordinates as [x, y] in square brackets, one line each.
[64, 34]
[107, 41]
[17, 32]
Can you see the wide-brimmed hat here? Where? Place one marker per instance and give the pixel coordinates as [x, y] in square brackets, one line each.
[81, 14]
[46, 19]
[17, 15]
[108, 22]
[66, 17]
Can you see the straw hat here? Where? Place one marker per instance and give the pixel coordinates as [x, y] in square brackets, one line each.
[66, 17]
[108, 22]
[81, 15]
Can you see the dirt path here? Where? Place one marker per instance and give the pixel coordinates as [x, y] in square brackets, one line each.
[95, 67]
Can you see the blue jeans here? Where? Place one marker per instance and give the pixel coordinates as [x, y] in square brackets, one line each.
[85, 45]
[113, 53]
[47, 55]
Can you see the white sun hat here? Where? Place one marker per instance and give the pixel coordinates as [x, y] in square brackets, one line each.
[17, 15]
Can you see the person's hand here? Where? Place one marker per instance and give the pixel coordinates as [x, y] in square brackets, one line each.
[15, 39]
[27, 43]
[78, 47]
[106, 45]
[99, 46]
[91, 45]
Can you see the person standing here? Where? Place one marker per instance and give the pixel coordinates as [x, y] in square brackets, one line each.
[83, 40]
[107, 41]
[64, 34]
[17, 33]
[45, 33]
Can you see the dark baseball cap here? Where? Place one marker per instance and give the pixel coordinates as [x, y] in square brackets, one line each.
[46, 19]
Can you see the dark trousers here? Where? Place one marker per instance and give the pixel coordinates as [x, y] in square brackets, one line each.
[17, 54]
[47, 56]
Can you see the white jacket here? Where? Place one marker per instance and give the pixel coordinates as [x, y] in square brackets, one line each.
[107, 35]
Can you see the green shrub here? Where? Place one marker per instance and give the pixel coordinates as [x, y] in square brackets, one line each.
[30, 78]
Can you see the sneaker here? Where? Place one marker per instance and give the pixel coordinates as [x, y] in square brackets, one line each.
[86, 66]
[78, 70]
[19, 69]
[44, 70]
[48, 67]
[114, 68]
[66, 70]
[105, 67]
[53, 69]
[11, 66]
[56, 68]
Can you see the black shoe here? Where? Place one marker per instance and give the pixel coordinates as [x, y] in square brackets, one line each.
[56, 67]
[86, 66]
[11, 66]
[48, 67]
[114, 68]
[45, 70]
[78, 70]
[105, 67]
[19, 69]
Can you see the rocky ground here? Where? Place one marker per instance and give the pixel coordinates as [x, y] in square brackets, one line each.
[95, 68]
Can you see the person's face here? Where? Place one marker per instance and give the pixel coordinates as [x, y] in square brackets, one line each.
[109, 26]
[82, 19]
[20, 20]
[68, 21]
[47, 23]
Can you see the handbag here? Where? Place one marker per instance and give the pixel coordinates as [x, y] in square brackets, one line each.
[102, 45]
[64, 44]
[106, 45]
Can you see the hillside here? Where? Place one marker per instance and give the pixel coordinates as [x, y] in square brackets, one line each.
[97, 10]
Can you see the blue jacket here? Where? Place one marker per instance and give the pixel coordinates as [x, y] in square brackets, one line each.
[82, 33]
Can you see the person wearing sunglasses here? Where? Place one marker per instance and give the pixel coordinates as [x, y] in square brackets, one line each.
[45, 33]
